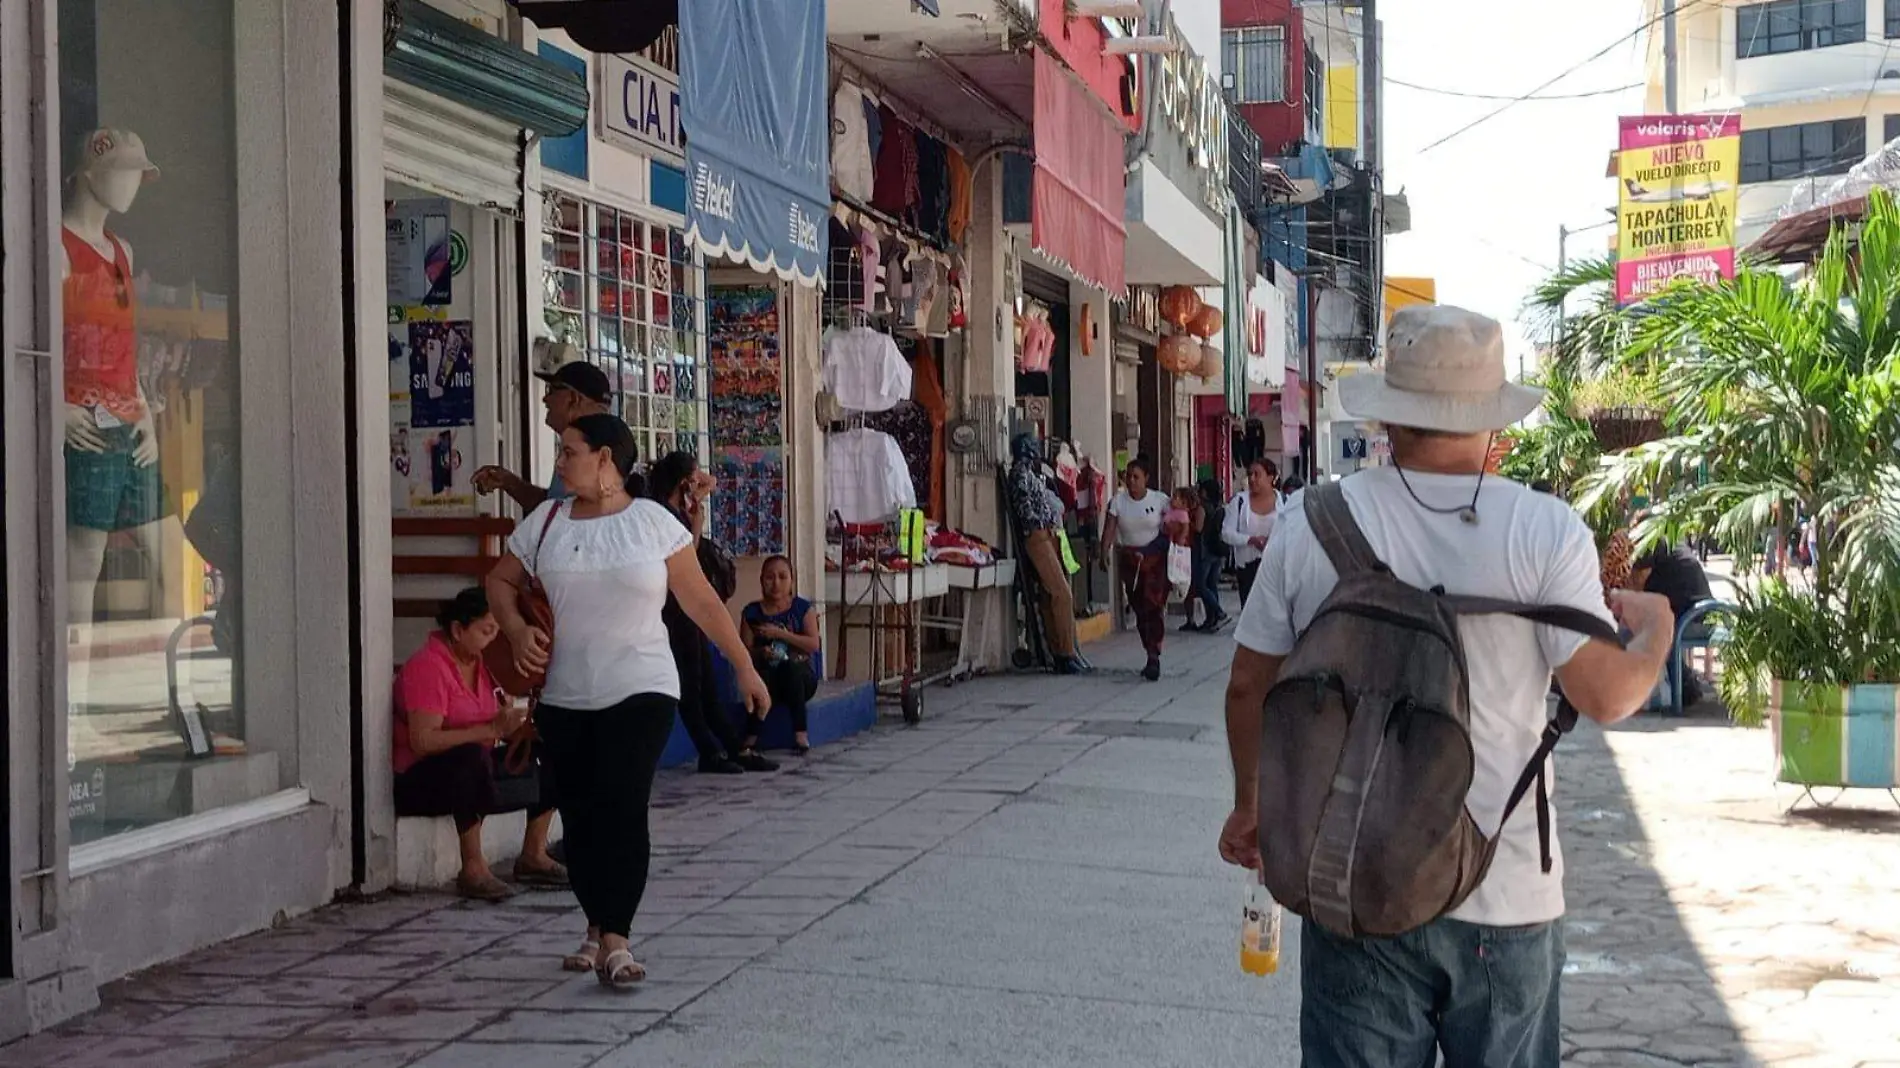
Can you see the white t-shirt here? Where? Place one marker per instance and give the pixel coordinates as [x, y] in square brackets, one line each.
[1138, 522]
[1527, 547]
[1242, 525]
[606, 580]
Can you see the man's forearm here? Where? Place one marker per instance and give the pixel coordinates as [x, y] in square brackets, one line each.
[1243, 746]
[526, 494]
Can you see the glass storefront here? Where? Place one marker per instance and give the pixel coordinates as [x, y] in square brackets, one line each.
[147, 255]
[630, 294]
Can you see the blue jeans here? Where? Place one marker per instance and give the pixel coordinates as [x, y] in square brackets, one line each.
[1207, 568]
[1486, 996]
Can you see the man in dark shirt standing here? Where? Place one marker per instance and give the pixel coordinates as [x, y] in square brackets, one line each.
[1676, 573]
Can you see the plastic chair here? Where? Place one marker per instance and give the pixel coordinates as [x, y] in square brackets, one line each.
[1717, 636]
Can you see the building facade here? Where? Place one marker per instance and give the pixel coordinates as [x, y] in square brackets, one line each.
[1817, 86]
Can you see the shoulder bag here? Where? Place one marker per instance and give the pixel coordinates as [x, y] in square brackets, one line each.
[500, 655]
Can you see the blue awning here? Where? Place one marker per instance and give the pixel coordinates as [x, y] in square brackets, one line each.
[758, 140]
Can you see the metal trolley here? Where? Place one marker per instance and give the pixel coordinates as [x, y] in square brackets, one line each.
[887, 605]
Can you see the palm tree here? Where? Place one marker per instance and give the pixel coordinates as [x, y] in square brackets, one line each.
[1783, 401]
[1577, 308]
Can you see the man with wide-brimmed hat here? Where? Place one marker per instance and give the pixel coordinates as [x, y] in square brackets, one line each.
[1479, 984]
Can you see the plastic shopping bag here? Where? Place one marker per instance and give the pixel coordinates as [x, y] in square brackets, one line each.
[1180, 569]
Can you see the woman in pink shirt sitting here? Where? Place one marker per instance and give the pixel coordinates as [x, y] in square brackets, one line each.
[449, 720]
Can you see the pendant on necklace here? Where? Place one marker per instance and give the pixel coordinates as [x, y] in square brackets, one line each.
[1469, 515]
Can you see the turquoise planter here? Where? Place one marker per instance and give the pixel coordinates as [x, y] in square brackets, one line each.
[1837, 736]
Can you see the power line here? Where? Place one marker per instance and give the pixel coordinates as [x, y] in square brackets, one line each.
[1498, 96]
[1561, 75]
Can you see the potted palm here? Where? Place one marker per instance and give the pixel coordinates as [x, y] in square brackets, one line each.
[1783, 402]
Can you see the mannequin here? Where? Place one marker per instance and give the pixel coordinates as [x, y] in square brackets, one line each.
[112, 477]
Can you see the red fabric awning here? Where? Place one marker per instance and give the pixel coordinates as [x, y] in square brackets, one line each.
[1077, 200]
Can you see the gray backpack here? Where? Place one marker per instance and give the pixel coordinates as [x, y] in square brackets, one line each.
[1366, 756]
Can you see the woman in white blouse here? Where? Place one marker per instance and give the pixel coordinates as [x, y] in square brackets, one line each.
[1135, 529]
[607, 561]
[1250, 520]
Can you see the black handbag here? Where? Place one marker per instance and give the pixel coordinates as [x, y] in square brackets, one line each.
[719, 567]
[518, 790]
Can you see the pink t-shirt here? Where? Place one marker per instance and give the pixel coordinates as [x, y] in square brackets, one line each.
[431, 681]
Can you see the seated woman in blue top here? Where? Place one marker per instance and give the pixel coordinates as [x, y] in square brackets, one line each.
[782, 631]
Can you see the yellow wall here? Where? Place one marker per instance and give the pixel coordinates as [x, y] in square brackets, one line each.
[1342, 106]
[1400, 292]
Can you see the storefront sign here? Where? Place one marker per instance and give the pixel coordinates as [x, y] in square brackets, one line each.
[1289, 288]
[639, 106]
[1191, 102]
[1675, 212]
[1142, 310]
[1265, 329]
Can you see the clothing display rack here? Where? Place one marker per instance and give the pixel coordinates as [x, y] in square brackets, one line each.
[885, 605]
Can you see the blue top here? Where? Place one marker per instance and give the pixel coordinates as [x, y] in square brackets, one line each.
[557, 490]
[792, 619]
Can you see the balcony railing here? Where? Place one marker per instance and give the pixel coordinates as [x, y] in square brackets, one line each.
[1243, 164]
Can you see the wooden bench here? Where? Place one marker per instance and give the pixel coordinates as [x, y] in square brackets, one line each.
[491, 537]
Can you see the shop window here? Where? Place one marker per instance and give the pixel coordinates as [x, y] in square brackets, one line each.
[631, 294]
[147, 258]
[1798, 25]
[1254, 62]
[1890, 129]
[1805, 150]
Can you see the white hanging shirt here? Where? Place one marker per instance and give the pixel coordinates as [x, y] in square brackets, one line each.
[864, 370]
[866, 477]
[851, 168]
[606, 581]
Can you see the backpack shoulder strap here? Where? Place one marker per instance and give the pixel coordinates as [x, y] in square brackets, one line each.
[1338, 532]
[1571, 619]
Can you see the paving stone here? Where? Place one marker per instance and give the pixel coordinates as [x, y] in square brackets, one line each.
[555, 1028]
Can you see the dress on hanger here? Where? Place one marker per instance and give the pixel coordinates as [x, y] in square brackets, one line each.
[864, 370]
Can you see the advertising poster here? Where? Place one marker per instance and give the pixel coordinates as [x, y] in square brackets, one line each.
[431, 413]
[1678, 178]
[442, 374]
[416, 246]
[746, 409]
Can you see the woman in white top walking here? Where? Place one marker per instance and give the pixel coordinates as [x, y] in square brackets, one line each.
[1134, 528]
[607, 561]
[1250, 520]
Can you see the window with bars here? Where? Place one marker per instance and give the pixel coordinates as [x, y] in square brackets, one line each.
[1806, 150]
[630, 294]
[1315, 93]
[1798, 25]
[1254, 59]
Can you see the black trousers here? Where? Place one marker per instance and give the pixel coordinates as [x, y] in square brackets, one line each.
[791, 684]
[605, 761]
[458, 782]
[708, 724]
[1246, 576]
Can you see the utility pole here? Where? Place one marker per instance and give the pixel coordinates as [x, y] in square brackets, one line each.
[1669, 55]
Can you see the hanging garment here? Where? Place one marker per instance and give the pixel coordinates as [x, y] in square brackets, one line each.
[933, 186]
[870, 253]
[895, 185]
[927, 391]
[958, 221]
[909, 426]
[851, 168]
[866, 480]
[1039, 344]
[865, 370]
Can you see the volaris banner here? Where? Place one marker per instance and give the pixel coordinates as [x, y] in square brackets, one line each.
[1675, 212]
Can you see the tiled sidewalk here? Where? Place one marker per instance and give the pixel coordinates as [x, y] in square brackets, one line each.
[740, 865]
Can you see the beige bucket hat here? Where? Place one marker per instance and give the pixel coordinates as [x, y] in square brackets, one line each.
[1444, 370]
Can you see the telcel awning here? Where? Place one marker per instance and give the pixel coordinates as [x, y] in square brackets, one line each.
[758, 143]
[1077, 197]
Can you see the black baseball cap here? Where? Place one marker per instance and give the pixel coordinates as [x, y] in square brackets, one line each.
[581, 377]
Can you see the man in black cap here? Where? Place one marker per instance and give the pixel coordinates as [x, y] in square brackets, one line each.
[574, 389]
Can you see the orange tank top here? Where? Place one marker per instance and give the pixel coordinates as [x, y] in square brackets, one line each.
[102, 365]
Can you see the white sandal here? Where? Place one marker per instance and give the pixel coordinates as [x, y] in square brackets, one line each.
[620, 971]
[584, 959]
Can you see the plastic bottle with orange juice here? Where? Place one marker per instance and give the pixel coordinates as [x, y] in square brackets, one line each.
[1259, 930]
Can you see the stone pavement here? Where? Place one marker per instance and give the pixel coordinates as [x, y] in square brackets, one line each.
[1029, 877]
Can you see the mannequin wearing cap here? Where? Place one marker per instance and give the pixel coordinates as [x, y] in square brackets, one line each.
[112, 482]
[573, 389]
